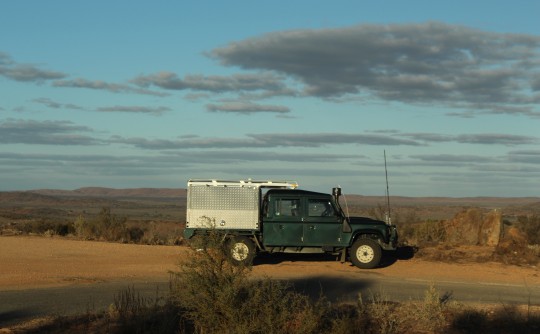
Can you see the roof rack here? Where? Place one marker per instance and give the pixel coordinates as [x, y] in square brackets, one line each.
[244, 183]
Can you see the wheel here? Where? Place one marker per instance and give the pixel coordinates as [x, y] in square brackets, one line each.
[241, 250]
[365, 253]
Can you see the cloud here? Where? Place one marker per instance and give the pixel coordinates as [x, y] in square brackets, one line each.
[135, 109]
[496, 139]
[29, 73]
[55, 105]
[216, 84]
[313, 140]
[187, 143]
[525, 156]
[481, 138]
[129, 109]
[25, 72]
[323, 139]
[191, 158]
[491, 108]
[246, 108]
[102, 85]
[14, 131]
[231, 156]
[535, 83]
[5, 59]
[431, 62]
[453, 159]
[266, 141]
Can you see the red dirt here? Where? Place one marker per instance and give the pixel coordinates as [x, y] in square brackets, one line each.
[32, 262]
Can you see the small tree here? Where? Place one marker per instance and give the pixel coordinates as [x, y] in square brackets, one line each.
[106, 226]
[111, 227]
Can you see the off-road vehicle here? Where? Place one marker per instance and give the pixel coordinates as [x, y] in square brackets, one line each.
[275, 216]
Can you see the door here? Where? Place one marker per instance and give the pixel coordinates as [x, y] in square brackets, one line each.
[282, 224]
[322, 224]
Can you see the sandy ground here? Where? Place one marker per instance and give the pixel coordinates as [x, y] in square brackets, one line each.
[36, 262]
[32, 262]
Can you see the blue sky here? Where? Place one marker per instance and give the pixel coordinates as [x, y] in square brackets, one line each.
[128, 94]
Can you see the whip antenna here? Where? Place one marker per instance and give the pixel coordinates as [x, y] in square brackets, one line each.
[388, 219]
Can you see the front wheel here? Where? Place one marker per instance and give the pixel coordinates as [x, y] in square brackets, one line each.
[241, 250]
[365, 253]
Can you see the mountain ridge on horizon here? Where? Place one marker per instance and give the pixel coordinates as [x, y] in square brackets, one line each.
[148, 192]
[113, 192]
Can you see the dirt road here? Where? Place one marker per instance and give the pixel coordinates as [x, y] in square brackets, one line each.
[56, 275]
[37, 262]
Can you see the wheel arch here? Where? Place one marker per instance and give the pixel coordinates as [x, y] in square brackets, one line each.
[369, 234]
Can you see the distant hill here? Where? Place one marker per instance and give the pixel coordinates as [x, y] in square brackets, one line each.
[169, 203]
[487, 202]
[364, 201]
[111, 192]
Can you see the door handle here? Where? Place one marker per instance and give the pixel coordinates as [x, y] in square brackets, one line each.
[312, 227]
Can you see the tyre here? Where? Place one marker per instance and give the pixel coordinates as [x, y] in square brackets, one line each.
[365, 253]
[241, 250]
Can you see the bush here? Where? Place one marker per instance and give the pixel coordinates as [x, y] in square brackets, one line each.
[217, 296]
[46, 227]
[422, 233]
[135, 234]
[106, 226]
[132, 313]
[530, 225]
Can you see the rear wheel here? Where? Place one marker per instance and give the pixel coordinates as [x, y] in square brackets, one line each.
[241, 250]
[365, 253]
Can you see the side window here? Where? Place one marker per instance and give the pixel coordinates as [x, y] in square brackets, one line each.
[320, 208]
[286, 207]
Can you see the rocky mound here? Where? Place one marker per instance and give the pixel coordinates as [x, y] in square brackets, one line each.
[474, 228]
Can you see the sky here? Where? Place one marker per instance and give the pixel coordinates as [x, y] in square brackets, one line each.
[130, 94]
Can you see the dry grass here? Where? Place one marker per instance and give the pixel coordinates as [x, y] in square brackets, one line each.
[273, 309]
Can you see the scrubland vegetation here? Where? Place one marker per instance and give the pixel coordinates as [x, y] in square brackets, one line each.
[519, 240]
[103, 226]
[209, 295]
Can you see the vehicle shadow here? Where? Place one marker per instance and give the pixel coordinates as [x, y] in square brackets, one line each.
[334, 289]
[276, 258]
[12, 317]
[402, 253]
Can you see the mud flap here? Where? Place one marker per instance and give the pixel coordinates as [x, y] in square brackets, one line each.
[343, 256]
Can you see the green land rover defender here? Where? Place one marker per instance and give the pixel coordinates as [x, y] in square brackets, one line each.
[275, 216]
